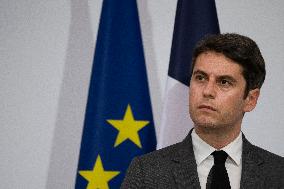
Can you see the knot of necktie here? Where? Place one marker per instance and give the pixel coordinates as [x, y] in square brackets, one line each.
[219, 157]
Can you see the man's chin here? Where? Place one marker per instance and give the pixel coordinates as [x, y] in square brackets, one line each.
[205, 121]
[207, 124]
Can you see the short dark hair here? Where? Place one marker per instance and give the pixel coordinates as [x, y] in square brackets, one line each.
[242, 50]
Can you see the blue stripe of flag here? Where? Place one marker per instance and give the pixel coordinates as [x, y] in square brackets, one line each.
[194, 19]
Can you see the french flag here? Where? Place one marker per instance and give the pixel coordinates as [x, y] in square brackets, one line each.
[194, 19]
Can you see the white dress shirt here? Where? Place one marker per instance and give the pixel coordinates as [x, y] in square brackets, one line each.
[205, 160]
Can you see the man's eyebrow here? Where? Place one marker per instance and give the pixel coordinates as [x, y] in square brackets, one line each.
[199, 72]
[228, 77]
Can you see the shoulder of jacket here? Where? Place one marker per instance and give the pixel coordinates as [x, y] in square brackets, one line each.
[165, 153]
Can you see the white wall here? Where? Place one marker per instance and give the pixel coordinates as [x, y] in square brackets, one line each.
[46, 51]
[33, 43]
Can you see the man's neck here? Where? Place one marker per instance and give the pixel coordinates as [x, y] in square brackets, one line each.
[217, 138]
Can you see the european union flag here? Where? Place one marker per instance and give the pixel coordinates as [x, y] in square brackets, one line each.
[118, 121]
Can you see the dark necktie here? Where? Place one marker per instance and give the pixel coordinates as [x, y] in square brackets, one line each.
[220, 178]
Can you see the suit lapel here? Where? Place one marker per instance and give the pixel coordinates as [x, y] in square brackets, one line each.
[251, 161]
[185, 168]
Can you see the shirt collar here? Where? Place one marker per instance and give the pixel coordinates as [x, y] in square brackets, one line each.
[234, 149]
[202, 150]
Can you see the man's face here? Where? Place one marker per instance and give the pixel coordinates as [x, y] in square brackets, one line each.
[216, 94]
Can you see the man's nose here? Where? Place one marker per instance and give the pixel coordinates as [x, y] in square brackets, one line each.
[209, 90]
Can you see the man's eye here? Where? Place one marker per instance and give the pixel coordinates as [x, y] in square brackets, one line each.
[225, 82]
[199, 77]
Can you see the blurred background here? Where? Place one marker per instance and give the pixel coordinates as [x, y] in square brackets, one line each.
[46, 53]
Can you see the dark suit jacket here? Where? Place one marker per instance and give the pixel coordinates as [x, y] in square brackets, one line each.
[175, 167]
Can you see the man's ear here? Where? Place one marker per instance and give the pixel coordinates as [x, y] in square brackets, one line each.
[251, 100]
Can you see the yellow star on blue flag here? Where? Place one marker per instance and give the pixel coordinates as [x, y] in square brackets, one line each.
[128, 128]
[98, 177]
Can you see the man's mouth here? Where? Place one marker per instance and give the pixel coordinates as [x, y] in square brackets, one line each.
[206, 107]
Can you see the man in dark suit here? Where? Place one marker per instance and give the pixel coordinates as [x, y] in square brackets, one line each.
[227, 74]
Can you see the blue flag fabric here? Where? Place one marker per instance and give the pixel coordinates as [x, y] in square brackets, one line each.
[194, 19]
[118, 121]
